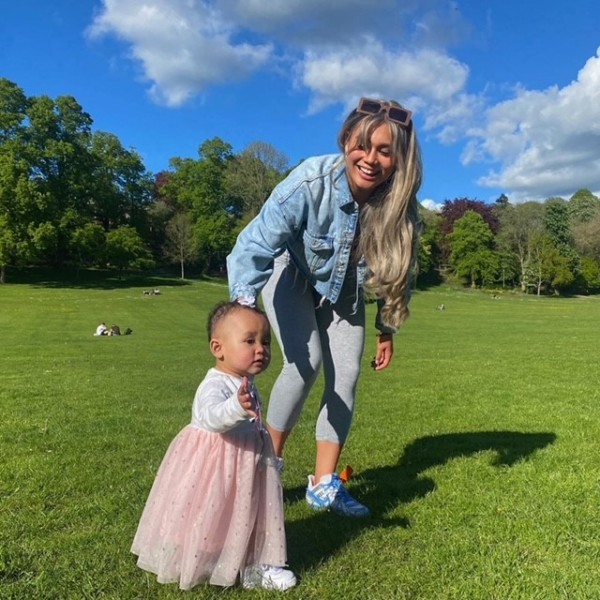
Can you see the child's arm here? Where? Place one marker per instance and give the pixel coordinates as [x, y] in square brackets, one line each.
[219, 409]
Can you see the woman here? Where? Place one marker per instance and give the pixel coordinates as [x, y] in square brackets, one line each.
[338, 224]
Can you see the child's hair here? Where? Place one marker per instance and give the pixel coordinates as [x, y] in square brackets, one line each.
[390, 220]
[224, 309]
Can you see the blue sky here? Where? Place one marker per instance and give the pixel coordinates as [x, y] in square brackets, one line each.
[506, 95]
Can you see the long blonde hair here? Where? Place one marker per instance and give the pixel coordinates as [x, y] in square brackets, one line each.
[389, 220]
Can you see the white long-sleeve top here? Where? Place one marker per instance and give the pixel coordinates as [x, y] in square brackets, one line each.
[216, 406]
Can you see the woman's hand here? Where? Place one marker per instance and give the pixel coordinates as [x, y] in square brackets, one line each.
[384, 352]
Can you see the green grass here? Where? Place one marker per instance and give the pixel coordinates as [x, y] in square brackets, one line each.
[477, 450]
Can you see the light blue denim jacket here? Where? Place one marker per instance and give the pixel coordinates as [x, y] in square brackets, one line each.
[313, 216]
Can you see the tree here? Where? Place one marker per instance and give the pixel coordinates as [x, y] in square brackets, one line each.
[122, 188]
[583, 207]
[453, 210]
[198, 187]
[428, 252]
[13, 172]
[586, 237]
[57, 138]
[557, 225]
[549, 268]
[88, 244]
[125, 249]
[181, 245]
[471, 252]
[590, 274]
[252, 175]
[517, 224]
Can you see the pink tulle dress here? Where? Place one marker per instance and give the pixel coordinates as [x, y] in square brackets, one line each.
[216, 504]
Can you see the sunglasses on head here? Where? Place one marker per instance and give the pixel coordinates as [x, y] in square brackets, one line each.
[368, 106]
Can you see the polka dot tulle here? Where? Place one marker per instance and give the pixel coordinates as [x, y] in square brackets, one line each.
[215, 507]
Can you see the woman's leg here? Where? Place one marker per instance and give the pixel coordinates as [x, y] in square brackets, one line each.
[342, 334]
[290, 306]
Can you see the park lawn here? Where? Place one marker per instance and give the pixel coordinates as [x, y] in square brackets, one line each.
[477, 450]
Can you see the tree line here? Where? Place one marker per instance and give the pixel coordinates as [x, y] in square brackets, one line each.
[71, 196]
[550, 247]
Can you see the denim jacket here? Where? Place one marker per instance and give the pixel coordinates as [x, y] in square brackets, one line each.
[313, 216]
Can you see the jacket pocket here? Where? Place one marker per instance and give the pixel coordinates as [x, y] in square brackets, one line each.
[318, 252]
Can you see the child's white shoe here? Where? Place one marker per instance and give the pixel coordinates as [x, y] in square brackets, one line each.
[268, 578]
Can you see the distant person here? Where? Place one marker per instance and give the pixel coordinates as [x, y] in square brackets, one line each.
[215, 511]
[101, 329]
[114, 330]
[336, 225]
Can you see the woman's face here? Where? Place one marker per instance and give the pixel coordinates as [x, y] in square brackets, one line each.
[368, 170]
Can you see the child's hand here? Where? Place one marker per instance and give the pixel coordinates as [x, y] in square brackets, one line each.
[246, 399]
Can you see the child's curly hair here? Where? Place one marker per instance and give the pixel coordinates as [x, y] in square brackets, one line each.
[222, 310]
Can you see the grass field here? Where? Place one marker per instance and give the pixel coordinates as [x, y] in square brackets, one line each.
[477, 450]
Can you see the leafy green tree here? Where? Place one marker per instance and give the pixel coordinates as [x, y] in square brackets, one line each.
[181, 245]
[13, 173]
[125, 249]
[453, 210]
[590, 274]
[481, 266]
[13, 110]
[7, 246]
[586, 237]
[57, 139]
[508, 269]
[549, 268]
[158, 215]
[252, 175]
[88, 244]
[429, 251]
[198, 187]
[583, 207]
[471, 253]
[557, 225]
[122, 185]
[517, 224]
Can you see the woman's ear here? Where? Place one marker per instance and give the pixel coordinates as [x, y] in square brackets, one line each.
[216, 348]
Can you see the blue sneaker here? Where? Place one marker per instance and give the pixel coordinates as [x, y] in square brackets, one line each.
[329, 493]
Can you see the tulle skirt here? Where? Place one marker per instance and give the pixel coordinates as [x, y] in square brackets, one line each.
[215, 507]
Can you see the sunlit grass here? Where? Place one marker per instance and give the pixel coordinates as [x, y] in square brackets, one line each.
[477, 450]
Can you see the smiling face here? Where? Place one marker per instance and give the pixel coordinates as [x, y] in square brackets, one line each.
[369, 165]
[241, 343]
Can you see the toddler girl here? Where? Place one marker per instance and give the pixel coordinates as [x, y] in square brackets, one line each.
[215, 511]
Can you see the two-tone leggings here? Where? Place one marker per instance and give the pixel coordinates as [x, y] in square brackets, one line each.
[312, 333]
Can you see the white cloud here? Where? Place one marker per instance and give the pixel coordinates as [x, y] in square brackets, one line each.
[432, 205]
[336, 50]
[184, 47]
[413, 78]
[536, 144]
[546, 142]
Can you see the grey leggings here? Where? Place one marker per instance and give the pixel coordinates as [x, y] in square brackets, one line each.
[310, 333]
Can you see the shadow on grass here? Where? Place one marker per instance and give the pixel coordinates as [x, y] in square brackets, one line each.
[313, 540]
[100, 279]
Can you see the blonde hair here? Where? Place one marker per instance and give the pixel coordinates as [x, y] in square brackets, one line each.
[389, 220]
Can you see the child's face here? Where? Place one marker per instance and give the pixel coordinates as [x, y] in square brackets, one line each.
[242, 343]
